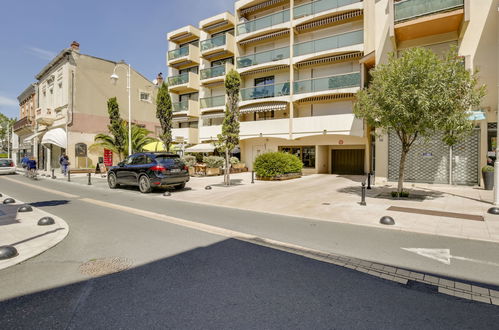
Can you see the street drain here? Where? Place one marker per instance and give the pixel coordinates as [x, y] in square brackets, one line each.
[105, 266]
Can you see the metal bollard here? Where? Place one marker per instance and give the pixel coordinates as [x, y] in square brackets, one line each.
[69, 176]
[252, 176]
[369, 180]
[53, 175]
[89, 179]
[363, 199]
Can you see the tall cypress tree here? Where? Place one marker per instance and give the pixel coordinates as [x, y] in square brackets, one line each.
[165, 114]
[116, 126]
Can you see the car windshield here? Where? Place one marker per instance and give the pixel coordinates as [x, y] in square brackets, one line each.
[169, 160]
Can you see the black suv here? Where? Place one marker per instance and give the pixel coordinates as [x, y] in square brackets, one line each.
[149, 170]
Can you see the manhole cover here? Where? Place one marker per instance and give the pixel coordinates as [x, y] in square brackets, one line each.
[104, 266]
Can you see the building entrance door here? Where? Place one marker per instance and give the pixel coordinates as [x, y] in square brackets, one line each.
[347, 161]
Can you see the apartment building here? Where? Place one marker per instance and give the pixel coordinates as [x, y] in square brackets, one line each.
[24, 127]
[302, 62]
[73, 90]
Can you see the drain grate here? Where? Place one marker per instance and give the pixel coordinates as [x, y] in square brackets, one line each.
[105, 266]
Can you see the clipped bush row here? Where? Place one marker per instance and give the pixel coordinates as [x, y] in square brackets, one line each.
[272, 164]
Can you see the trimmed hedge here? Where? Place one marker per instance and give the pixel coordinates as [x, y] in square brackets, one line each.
[214, 161]
[189, 160]
[273, 164]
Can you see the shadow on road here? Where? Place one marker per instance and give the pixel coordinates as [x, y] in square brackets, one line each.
[238, 285]
[49, 203]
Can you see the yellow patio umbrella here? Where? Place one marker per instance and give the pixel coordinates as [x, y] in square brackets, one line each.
[154, 146]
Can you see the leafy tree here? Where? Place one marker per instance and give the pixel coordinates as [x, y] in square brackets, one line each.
[5, 125]
[417, 95]
[229, 139]
[164, 113]
[117, 127]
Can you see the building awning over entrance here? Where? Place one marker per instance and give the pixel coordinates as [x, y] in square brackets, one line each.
[202, 147]
[31, 137]
[56, 136]
[264, 107]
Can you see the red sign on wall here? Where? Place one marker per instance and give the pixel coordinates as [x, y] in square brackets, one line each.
[108, 157]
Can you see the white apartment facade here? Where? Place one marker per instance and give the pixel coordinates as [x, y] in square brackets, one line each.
[301, 63]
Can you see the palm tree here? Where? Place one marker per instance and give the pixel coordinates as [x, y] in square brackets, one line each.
[140, 138]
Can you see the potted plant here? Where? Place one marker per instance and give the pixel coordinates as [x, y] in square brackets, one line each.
[488, 177]
[213, 164]
[190, 161]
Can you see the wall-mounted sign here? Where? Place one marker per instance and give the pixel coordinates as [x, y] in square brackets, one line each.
[80, 150]
[108, 157]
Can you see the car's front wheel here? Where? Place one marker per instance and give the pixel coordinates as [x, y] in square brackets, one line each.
[144, 184]
[111, 181]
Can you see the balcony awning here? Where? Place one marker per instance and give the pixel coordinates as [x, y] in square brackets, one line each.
[264, 107]
[265, 37]
[202, 147]
[214, 115]
[56, 136]
[259, 6]
[32, 136]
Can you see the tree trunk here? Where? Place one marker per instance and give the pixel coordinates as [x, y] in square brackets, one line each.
[227, 168]
[403, 157]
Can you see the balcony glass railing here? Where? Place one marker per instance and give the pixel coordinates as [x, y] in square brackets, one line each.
[178, 80]
[180, 106]
[263, 22]
[414, 8]
[333, 42]
[213, 101]
[318, 6]
[179, 52]
[263, 57]
[213, 72]
[327, 83]
[213, 42]
[265, 91]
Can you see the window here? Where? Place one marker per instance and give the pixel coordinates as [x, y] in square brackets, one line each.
[264, 115]
[145, 96]
[222, 61]
[193, 69]
[264, 81]
[305, 153]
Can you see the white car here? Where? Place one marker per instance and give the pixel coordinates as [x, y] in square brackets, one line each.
[7, 166]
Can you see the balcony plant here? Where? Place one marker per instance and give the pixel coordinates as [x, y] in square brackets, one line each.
[213, 164]
[190, 161]
[277, 166]
[488, 177]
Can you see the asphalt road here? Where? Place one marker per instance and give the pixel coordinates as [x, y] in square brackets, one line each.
[191, 279]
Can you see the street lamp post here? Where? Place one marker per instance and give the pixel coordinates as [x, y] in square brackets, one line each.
[495, 208]
[115, 78]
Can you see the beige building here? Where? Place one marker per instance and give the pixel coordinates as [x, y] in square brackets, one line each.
[73, 90]
[25, 126]
[301, 64]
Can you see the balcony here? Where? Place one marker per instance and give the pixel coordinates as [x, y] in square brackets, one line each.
[341, 124]
[278, 92]
[184, 34]
[321, 8]
[220, 22]
[266, 24]
[187, 107]
[189, 134]
[275, 57]
[278, 128]
[183, 56]
[23, 126]
[342, 83]
[418, 18]
[45, 117]
[209, 133]
[212, 103]
[184, 83]
[219, 46]
[338, 44]
[215, 74]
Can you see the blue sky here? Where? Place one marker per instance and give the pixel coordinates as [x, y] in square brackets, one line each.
[33, 31]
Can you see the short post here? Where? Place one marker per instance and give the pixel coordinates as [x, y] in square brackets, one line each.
[363, 199]
[368, 180]
[53, 175]
[252, 176]
[89, 179]
[69, 176]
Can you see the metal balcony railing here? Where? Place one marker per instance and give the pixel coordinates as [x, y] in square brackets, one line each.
[327, 83]
[318, 6]
[213, 101]
[408, 9]
[328, 43]
[263, 22]
[265, 91]
[263, 57]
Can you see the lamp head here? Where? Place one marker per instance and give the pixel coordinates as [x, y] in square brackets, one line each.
[114, 78]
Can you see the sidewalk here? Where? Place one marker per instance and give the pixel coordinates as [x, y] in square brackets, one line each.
[22, 231]
[336, 198]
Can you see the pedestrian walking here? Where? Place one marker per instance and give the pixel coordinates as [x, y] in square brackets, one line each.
[31, 168]
[24, 164]
[64, 161]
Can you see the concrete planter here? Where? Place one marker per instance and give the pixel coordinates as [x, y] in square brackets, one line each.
[488, 180]
[281, 177]
[239, 165]
[212, 171]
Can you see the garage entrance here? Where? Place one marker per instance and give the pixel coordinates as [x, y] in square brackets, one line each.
[347, 161]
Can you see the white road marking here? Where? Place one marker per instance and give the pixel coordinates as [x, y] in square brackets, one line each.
[444, 256]
[52, 191]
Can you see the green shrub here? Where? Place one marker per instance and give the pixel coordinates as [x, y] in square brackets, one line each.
[189, 160]
[213, 161]
[198, 155]
[234, 160]
[488, 168]
[276, 163]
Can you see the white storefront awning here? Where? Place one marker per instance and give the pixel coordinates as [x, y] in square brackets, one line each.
[264, 107]
[56, 136]
[32, 136]
[202, 147]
